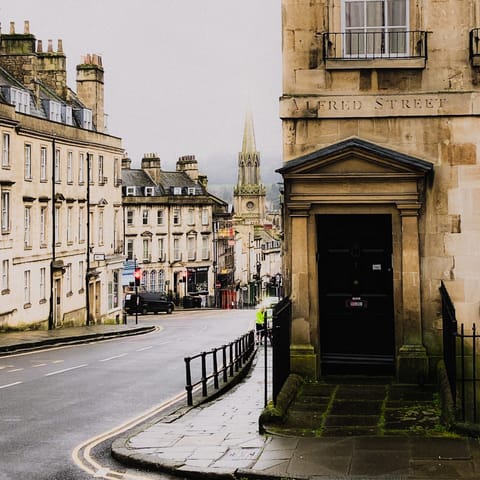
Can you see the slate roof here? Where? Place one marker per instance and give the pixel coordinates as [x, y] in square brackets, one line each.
[136, 178]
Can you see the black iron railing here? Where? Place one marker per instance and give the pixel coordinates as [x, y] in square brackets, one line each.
[388, 44]
[281, 329]
[461, 366]
[450, 331]
[475, 46]
[233, 357]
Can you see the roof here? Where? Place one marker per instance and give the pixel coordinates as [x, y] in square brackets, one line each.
[136, 178]
[358, 145]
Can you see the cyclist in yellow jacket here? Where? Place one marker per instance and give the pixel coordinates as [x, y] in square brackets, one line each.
[260, 323]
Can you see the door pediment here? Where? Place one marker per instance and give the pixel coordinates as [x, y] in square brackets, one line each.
[355, 157]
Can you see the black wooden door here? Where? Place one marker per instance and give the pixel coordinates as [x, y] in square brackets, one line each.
[356, 293]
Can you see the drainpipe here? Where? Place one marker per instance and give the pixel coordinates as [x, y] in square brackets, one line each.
[87, 271]
[51, 325]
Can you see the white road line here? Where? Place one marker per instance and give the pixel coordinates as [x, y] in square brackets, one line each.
[66, 370]
[10, 385]
[15, 370]
[143, 349]
[114, 357]
[39, 365]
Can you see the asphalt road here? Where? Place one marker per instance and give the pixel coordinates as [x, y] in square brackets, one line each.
[53, 400]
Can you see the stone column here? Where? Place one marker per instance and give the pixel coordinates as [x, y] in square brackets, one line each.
[303, 359]
[412, 360]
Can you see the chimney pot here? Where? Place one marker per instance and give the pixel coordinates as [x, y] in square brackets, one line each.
[50, 46]
[59, 45]
[39, 46]
[12, 28]
[26, 27]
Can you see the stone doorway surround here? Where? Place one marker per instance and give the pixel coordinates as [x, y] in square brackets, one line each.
[355, 176]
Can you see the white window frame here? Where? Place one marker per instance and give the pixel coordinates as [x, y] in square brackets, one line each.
[27, 227]
[43, 226]
[81, 224]
[146, 250]
[5, 150]
[81, 168]
[205, 216]
[177, 217]
[81, 280]
[43, 279]
[149, 191]
[69, 166]
[58, 215]
[145, 215]
[69, 225]
[383, 30]
[130, 191]
[160, 216]
[58, 166]
[5, 206]
[130, 215]
[130, 249]
[205, 247]
[161, 249]
[177, 253]
[191, 216]
[191, 248]
[100, 169]
[43, 163]
[27, 161]
[5, 275]
[27, 287]
[100, 226]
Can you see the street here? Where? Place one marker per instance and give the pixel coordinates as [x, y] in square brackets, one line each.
[53, 400]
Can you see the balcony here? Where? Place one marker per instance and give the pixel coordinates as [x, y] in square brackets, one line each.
[378, 49]
[475, 47]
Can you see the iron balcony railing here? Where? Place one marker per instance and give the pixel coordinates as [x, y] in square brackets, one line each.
[475, 47]
[390, 44]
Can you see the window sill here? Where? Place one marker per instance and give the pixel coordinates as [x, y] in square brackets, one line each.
[82, 290]
[27, 305]
[42, 301]
[375, 63]
[6, 291]
[69, 294]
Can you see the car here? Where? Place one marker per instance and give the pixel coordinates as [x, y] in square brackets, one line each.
[148, 302]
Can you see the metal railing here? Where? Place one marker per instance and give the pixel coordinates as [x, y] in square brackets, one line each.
[450, 331]
[463, 378]
[233, 357]
[388, 44]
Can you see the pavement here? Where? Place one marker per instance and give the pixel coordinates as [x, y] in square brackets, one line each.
[221, 438]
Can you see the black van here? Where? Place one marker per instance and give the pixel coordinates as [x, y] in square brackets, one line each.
[148, 302]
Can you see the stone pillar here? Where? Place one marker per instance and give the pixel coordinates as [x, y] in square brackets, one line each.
[303, 359]
[412, 360]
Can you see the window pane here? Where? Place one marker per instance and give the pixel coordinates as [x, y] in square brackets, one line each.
[375, 14]
[354, 14]
[396, 12]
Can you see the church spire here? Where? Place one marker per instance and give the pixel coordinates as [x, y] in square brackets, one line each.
[248, 145]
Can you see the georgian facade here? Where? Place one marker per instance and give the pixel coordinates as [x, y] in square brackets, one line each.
[169, 227]
[61, 250]
[381, 171]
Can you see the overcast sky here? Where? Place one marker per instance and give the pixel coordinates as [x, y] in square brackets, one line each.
[179, 74]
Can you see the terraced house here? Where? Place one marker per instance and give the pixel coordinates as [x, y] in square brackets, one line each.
[61, 249]
[170, 220]
[381, 114]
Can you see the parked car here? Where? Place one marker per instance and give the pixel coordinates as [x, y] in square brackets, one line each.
[148, 302]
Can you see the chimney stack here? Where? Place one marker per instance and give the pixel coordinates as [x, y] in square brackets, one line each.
[152, 165]
[90, 89]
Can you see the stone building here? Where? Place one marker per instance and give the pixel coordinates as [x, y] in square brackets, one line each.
[169, 219]
[253, 260]
[61, 250]
[380, 113]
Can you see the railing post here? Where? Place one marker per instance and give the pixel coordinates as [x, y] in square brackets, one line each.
[474, 371]
[231, 359]
[462, 350]
[215, 368]
[188, 383]
[224, 358]
[204, 374]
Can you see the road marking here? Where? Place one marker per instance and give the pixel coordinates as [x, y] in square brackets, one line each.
[58, 361]
[114, 357]
[83, 458]
[39, 365]
[10, 384]
[15, 370]
[143, 349]
[66, 370]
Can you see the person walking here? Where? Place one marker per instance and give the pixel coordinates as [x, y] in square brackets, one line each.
[260, 323]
